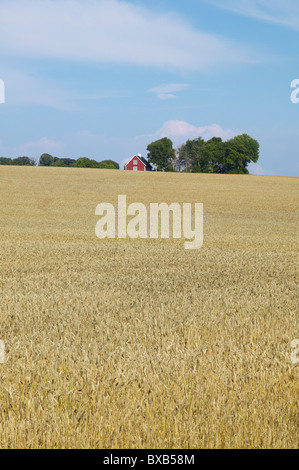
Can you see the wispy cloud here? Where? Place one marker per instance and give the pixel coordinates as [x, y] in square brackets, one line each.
[110, 31]
[280, 12]
[165, 92]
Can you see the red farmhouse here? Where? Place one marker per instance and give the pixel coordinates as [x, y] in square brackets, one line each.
[138, 163]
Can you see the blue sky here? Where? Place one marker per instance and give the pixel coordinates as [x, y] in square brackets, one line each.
[104, 78]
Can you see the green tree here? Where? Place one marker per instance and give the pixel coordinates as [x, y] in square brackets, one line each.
[59, 163]
[46, 159]
[106, 166]
[83, 162]
[191, 156]
[5, 161]
[215, 156]
[23, 161]
[239, 152]
[213, 152]
[68, 161]
[161, 154]
[109, 164]
[251, 145]
[93, 164]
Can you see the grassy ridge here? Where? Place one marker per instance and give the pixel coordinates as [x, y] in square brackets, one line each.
[141, 344]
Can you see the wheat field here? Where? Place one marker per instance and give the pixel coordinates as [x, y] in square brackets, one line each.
[141, 344]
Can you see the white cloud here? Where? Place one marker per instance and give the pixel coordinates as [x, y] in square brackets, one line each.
[180, 131]
[281, 12]
[109, 31]
[165, 92]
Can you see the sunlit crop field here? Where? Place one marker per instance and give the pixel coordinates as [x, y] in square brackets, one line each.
[141, 343]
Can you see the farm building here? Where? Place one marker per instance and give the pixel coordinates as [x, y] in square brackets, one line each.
[138, 163]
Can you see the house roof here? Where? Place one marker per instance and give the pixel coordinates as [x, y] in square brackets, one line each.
[147, 164]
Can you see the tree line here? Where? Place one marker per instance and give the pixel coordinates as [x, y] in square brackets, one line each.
[200, 156]
[48, 160]
[195, 156]
[20, 161]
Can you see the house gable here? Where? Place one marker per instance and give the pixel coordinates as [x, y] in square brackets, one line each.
[138, 163]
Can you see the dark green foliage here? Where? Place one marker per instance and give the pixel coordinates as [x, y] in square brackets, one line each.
[162, 154]
[106, 166]
[68, 161]
[190, 156]
[63, 162]
[46, 160]
[87, 163]
[216, 156]
[23, 161]
[109, 164]
[20, 161]
[213, 155]
[5, 161]
[58, 163]
[84, 162]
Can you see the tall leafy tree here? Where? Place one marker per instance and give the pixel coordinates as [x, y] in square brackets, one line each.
[191, 156]
[46, 159]
[251, 145]
[239, 152]
[213, 153]
[161, 154]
